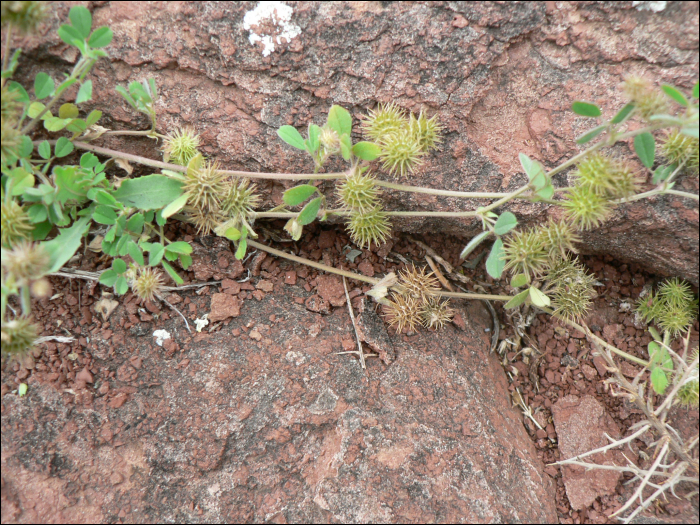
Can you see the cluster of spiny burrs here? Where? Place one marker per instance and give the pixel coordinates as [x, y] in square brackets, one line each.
[571, 289]
[24, 268]
[599, 180]
[367, 222]
[214, 199]
[534, 251]
[673, 307]
[416, 301]
[403, 140]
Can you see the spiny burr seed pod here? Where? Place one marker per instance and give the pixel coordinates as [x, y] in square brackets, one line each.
[359, 192]
[368, 227]
[180, 146]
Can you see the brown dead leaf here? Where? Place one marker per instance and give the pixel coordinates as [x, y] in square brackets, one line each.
[106, 306]
[124, 164]
[96, 244]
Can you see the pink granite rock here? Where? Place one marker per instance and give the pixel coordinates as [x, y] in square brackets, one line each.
[581, 424]
[283, 429]
[500, 76]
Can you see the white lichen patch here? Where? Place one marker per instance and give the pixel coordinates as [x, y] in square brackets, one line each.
[161, 335]
[201, 322]
[269, 23]
[655, 7]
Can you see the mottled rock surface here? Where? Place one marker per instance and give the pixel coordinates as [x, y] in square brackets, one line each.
[501, 77]
[271, 425]
[581, 424]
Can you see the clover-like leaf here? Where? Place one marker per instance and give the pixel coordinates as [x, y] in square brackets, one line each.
[495, 263]
[645, 146]
[586, 109]
[506, 222]
[517, 300]
[340, 120]
[298, 194]
[291, 136]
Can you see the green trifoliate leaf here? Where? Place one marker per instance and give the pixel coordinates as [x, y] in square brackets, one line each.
[495, 263]
[473, 244]
[68, 111]
[81, 19]
[298, 194]
[43, 85]
[366, 150]
[171, 271]
[340, 120]
[623, 114]
[538, 298]
[175, 206]
[346, 146]
[63, 147]
[675, 94]
[506, 222]
[517, 300]
[151, 192]
[659, 381]
[310, 211]
[84, 93]
[519, 280]
[101, 37]
[291, 136]
[586, 109]
[314, 134]
[645, 147]
[590, 135]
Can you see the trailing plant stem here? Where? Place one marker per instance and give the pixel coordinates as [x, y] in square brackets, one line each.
[364, 278]
[25, 300]
[445, 193]
[597, 339]
[182, 169]
[7, 49]
[503, 200]
[313, 264]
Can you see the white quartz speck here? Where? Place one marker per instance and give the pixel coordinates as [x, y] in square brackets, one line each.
[161, 335]
[655, 7]
[281, 16]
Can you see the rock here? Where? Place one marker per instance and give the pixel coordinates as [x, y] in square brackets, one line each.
[454, 59]
[224, 306]
[215, 261]
[318, 304]
[118, 400]
[581, 423]
[84, 375]
[331, 289]
[372, 330]
[301, 434]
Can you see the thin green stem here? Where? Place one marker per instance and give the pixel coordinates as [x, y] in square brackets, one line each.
[656, 191]
[595, 147]
[291, 214]
[508, 197]
[573, 160]
[8, 32]
[446, 193]
[145, 132]
[182, 169]
[462, 295]
[313, 264]
[25, 300]
[584, 329]
[433, 213]
[363, 278]
[683, 194]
